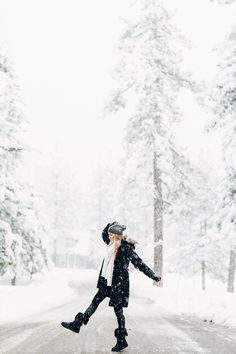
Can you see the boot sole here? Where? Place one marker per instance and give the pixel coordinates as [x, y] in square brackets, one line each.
[66, 326]
[115, 350]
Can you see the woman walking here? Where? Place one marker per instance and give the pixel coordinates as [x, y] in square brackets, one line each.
[113, 281]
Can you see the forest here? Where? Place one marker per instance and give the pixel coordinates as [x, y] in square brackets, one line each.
[158, 154]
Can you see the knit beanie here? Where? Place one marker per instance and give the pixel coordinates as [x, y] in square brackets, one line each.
[117, 229]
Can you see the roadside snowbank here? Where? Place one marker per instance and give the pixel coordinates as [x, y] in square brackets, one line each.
[44, 292]
[183, 295]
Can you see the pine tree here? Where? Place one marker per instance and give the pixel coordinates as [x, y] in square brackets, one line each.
[150, 78]
[10, 252]
[100, 204]
[20, 253]
[191, 215]
[225, 124]
[65, 204]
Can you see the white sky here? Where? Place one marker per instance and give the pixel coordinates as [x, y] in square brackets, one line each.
[64, 54]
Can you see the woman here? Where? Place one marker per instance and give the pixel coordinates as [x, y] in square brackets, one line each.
[113, 281]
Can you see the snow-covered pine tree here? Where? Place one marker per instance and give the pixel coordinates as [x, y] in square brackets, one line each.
[10, 148]
[149, 78]
[34, 256]
[100, 204]
[190, 216]
[102, 200]
[19, 254]
[225, 124]
[65, 203]
[10, 252]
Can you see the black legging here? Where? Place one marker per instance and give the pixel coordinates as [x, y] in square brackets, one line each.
[120, 316]
[98, 298]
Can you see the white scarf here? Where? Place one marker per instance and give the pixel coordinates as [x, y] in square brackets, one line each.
[108, 264]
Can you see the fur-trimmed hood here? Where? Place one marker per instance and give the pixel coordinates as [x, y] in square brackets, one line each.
[131, 241]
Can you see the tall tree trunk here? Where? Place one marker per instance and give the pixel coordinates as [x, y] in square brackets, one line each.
[231, 271]
[13, 280]
[158, 221]
[203, 275]
[55, 251]
[56, 217]
[203, 229]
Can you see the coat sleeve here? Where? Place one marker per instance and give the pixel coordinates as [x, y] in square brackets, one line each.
[139, 264]
[105, 235]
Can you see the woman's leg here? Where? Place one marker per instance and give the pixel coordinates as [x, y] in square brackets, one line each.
[120, 332]
[98, 298]
[82, 318]
[120, 316]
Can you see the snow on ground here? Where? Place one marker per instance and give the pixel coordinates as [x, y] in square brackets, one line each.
[180, 295]
[44, 292]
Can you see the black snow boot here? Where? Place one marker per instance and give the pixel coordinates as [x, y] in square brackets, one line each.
[120, 334]
[74, 326]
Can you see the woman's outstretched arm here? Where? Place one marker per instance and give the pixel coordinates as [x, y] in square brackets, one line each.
[139, 264]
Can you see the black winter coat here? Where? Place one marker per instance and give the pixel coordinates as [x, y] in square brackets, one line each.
[120, 279]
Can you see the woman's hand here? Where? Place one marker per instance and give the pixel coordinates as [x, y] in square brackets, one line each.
[156, 278]
[105, 233]
[109, 225]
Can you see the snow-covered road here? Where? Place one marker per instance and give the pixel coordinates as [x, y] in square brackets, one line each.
[151, 330]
